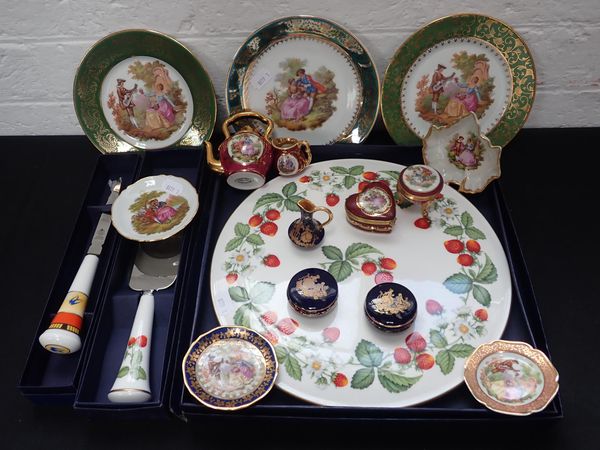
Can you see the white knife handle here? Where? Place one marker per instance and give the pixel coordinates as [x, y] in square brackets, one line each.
[62, 336]
[132, 384]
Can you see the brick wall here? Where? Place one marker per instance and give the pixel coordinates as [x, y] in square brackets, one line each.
[43, 41]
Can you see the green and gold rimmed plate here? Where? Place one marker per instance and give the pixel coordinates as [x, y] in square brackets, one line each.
[143, 90]
[454, 66]
[312, 77]
[229, 368]
[511, 377]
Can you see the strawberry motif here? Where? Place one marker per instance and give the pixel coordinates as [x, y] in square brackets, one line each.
[370, 176]
[255, 220]
[454, 246]
[271, 261]
[231, 277]
[416, 342]
[269, 228]
[362, 185]
[273, 214]
[481, 315]
[425, 361]
[340, 380]
[305, 179]
[332, 199]
[402, 356]
[383, 277]
[269, 318]
[271, 337]
[331, 334]
[422, 223]
[287, 325]
[142, 340]
[473, 246]
[369, 268]
[387, 263]
[131, 341]
[433, 307]
[465, 260]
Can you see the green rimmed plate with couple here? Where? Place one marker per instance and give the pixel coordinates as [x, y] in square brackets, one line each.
[312, 77]
[455, 66]
[143, 90]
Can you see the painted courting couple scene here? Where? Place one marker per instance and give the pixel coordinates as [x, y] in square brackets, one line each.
[302, 101]
[448, 94]
[154, 108]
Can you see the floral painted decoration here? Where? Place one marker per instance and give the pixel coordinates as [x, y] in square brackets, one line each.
[341, 359]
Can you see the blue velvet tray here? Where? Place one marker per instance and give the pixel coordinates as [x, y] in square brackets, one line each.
[524, 322]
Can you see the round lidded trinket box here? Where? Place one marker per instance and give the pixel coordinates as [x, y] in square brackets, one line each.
[419, 184]
[312, 292]
[391, 307]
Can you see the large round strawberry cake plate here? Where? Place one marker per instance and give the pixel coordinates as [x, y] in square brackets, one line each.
[455, 266]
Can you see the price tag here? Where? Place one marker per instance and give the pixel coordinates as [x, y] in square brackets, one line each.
[172, 187]
[260, 80]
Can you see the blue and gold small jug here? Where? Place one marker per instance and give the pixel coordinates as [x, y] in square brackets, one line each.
[307, 231]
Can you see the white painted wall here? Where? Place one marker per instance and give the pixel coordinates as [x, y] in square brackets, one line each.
[43, 41]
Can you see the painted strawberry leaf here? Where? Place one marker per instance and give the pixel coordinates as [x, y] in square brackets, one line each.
[123, 371]
[488, 273]
[262, 292]
[140, 374]
[394, 382]
[291, 203]
[349, 181]
[454, 230]
[253, 239]
[339, 170]
[267, 199]
[392, 173]
[466, 219]
[243, 315]
[356, 170]
[437, 339]
[234, 243]
[482, 295]
[289, 189]
[474, 233]
[368, 354]
[340, 270]
[242, 229]
[363, 378]
[445, 359]
[332, 252]
[281, 353]
[461, 350]
[459, 283]
[292, 367]
[239, 294]
[359, 249]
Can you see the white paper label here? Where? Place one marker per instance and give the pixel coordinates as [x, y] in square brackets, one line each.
[172, 187]
[261, 79]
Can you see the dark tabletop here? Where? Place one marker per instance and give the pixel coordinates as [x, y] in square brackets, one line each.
[548, 186]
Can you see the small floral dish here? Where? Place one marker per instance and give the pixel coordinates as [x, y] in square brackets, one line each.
[463, 155]
[511, 377]
[229, 368]
[154, 208]
[312, 292]
[391, 307]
